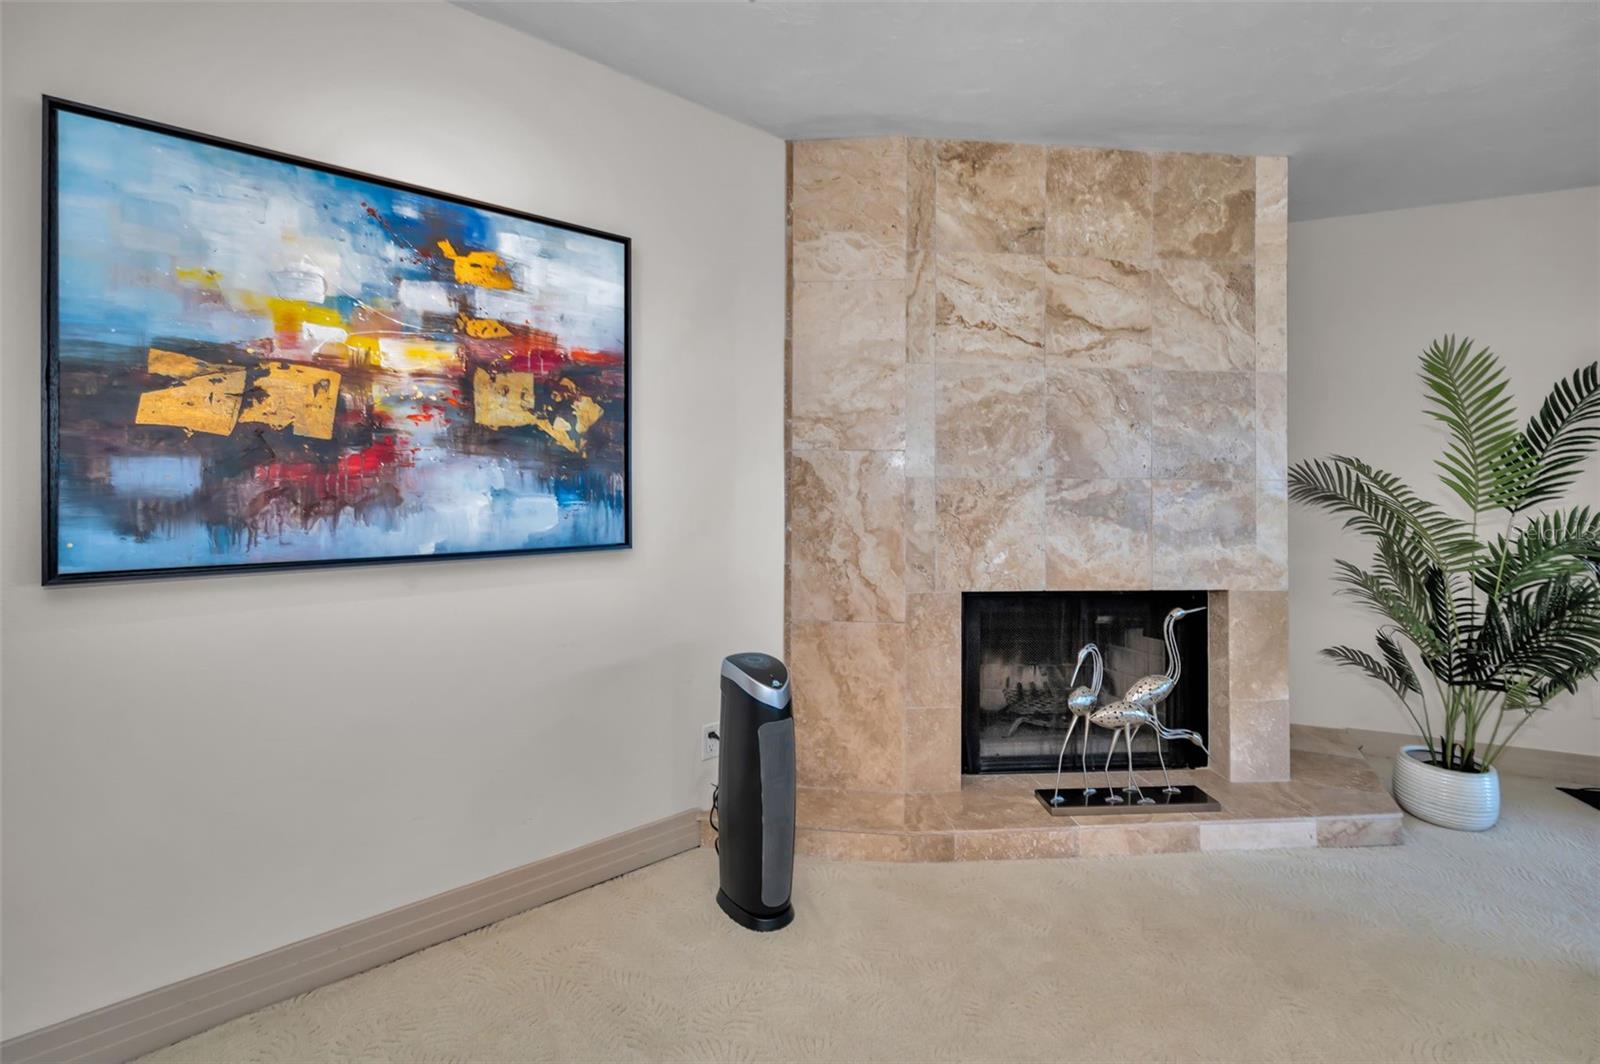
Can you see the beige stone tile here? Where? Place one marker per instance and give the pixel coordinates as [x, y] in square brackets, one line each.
[1203, 315]
[1099, 422]
[1025, 844]
[1336, 742]
[990, 197]
[1205, 206]
[989, 306]
[989, 420]
[1258, 641]
[1243, 800]
[1258, 834]
[1014, 783]
[835, 810]
[1123, 840]
[922, 306]
[849, 706]
[1345, 801]
[922, 175]
[1097, 312]
[1100, 820]
[921, 417]
[1272, 263]
[990, 535]
[933, 649]
[1272, 426]
[1203, 426]
[1098, 202]
[933, 749]
[846, 548]
[920, 295]
[1217, 678]
[874, 846]
[978, 809]
[1320, 769]
[1097, 534]
[1271, 565]
[1205, 532]
[1334, 831]
[848, 204]
[921, 534]
[848, 386]
[1258, 740]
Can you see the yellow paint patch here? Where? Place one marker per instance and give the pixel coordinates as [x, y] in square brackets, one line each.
[289, 314]
[290, 395]
[504, 400]
[482, 328]
[481, 268]
[430, 357]
[587, 411]
[200, 277]
[364, 349]
[560, 431]
[207, 399]
[172, 364]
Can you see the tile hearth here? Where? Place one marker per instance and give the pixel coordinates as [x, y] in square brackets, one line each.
[1333, 798]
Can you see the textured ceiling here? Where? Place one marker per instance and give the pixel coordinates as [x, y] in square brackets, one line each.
[1380, 105]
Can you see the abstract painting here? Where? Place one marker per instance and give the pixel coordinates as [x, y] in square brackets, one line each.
[257, 361]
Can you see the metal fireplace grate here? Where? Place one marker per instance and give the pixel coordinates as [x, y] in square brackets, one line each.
[1018, 653]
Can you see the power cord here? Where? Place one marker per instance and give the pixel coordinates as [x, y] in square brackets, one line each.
[711, 814]
[711, 819]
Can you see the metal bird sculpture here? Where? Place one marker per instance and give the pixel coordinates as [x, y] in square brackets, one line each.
[1123, 719]
[1081, 702]
[1148, 692]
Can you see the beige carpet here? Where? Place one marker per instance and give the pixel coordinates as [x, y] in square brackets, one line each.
[1451, 947]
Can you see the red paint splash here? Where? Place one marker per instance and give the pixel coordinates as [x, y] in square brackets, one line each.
[585, 357]
[356, 467]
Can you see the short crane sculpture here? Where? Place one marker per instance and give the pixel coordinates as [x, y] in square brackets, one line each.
[1081, 702]
[1123, 719]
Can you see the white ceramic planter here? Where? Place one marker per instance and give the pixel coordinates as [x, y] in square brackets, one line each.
[1466, 801]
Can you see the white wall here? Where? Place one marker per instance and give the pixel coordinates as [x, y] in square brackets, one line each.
[196, 770]
[1366, 295]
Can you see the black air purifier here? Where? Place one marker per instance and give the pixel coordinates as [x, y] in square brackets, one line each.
[755, 793]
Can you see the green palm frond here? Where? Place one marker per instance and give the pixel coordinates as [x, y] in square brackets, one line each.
[1395, 658]
[1406, 607]
[1370, 665]
[1559, 439]
[1379, 505]
[1560, 543]
[1551, 630]
[1468, 394]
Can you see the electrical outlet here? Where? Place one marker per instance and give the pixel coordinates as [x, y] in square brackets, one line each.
[710, 744]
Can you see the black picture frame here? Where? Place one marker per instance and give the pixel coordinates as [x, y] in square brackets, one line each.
[53, 107]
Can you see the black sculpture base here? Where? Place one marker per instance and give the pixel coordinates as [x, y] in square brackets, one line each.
[1187, 799]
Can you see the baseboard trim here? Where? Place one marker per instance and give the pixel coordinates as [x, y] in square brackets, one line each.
[171, 1013]
[1557, 765]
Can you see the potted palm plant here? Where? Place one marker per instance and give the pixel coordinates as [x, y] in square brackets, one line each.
[1498, 603]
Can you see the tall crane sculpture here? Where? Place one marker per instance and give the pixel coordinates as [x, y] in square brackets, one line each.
[1148, 692]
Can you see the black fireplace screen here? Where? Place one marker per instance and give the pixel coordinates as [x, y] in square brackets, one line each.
[1018, 653]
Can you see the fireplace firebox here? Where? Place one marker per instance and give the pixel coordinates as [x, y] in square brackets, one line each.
[1018, 652]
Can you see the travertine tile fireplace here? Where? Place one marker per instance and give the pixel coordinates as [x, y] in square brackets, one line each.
[1024, 368]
